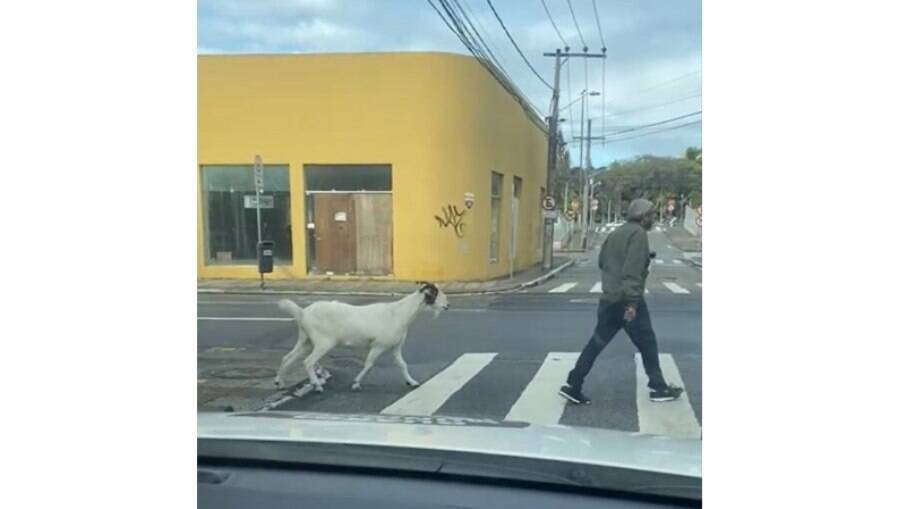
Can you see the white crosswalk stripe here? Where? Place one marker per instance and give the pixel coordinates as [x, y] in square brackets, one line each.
[565, 287]
[675, 288]
[596, 288]
[671, 418]
[677, 262]
[539, 402]
[658, 261]
[699, 285]
[431, 395]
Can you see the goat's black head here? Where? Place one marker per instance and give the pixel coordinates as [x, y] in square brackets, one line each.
[434, 297]
[430, 290]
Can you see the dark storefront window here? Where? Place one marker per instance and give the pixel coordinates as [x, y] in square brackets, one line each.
[339, 177]
[231, 229]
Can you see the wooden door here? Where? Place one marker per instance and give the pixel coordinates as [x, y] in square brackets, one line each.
[335, 233]
[374, 233]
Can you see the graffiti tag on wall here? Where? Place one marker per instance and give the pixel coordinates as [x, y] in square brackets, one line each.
[453, 217]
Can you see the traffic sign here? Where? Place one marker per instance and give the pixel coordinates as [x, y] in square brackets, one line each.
[548, 203]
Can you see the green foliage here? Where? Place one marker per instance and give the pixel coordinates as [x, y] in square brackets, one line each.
[655, 178]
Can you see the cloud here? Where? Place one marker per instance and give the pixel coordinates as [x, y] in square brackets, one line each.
[264, 9]
[648, 43]
[305, 35]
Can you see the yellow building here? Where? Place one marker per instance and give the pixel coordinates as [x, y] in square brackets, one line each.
[408, 166]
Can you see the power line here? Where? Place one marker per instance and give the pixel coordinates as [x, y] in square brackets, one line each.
[551, 18]
[659, 85]
[594, 4]
[496, 73]
[669, 128]
[480, 39]
[518, 50]
[687, 115]
[646, 108]
[482, 27]
[570, 4]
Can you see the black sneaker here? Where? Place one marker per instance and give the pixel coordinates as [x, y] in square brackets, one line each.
[668, 393]
[574, 395]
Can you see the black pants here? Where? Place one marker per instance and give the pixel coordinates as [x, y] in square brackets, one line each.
[610, 321]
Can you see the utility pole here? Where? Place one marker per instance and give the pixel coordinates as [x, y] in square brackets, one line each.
[553, 149]
[552, 142]
[588, 183]
[586, 167]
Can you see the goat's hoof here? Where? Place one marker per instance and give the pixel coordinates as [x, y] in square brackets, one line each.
[356, 386]
[413, 384]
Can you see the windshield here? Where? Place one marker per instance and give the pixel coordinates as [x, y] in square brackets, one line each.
[454, 211]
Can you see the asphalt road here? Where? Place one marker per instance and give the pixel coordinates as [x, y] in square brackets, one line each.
[501, 356]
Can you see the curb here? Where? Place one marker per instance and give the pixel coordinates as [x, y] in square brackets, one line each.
[507, 289]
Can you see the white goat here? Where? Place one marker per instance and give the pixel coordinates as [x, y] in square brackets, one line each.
[380, 327]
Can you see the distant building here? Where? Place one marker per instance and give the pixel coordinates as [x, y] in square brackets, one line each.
[370, 164]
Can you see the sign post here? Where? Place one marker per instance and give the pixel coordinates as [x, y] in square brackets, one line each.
[548, 204]
[259, 185]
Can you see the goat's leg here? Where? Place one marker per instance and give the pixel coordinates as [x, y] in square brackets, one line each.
[373, 354]
[301, 350]
[320, 349]
[398, 357]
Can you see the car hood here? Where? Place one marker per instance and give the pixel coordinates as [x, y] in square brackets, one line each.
[574, 444]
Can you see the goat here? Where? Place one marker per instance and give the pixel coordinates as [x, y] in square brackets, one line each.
[380, 327]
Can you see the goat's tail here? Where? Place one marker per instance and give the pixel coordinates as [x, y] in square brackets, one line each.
[293, 309]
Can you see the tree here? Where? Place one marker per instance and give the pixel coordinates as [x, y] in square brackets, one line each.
[652, 177]
[693, 154]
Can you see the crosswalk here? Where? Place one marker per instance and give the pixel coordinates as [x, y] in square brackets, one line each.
[573, 287]
[426, 399]
[538, 401]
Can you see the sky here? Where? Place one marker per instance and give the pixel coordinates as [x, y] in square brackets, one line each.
[652, 71]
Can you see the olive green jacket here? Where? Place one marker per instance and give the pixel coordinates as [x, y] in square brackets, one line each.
[624, 260]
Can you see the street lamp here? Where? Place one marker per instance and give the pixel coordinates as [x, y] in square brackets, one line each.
[582, 94]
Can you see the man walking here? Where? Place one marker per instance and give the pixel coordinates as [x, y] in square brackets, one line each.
[624, 261]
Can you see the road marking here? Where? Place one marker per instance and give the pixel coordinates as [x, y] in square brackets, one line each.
[675, 288]
[244, 319]
[677, 262]
[670, 418]
[565, 287]
[658, 261]
[699, 285]
[236, 302]
[431, 395]
[596, 288]
[539, 402]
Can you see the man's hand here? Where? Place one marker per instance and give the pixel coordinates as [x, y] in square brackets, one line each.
[629, 313]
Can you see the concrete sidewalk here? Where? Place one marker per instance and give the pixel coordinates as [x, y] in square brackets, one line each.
[322, 286]
[683, 239]
[689, 244]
